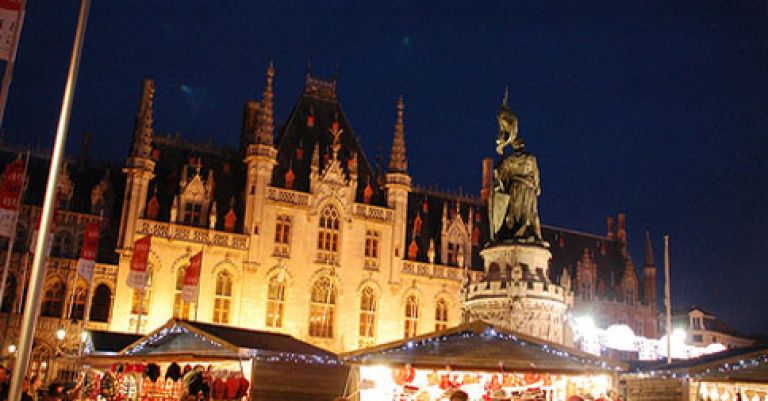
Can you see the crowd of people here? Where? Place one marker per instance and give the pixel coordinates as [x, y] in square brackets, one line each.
[32, 389]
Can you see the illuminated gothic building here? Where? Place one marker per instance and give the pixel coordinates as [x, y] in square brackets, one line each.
[301, 234]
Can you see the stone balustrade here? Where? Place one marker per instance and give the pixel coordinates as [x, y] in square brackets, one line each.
[438, 271]
[199, 235]
[373, 212]
[288, 196]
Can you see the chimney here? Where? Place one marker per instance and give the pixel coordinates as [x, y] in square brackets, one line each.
[621, 232]
[487, 184]
[609, 222]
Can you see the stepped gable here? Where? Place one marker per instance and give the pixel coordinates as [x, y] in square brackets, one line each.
[431, 222]
[172, 154]
[567, 248]
[309, 124]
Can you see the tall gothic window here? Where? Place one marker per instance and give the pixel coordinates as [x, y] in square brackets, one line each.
[322, 309]
[630, 296]
[275, 302]
[367, 316]
[441, 315]
[10, 294]
[328, 233]
[101, 304]
[53, 299]
[77, 310]
[41, 360]
[62, 244]
[372, 249]
[223, 300]
[453, 253]
[283, 235]
[411, 316]
[180, 308]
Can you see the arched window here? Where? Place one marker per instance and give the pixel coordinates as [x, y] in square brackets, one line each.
[53, 299]
[630, 296]
[77, 310]
[62, 244]
[275, 302]
[10, 293]
[322, 308]
[368, 304]
[140, 300]
[223, 300]
[101, 303]
[441, 314]
[180, 308]
[41, 360]
[411, 316]
[21, 242]
[283, 235]
[328, 234]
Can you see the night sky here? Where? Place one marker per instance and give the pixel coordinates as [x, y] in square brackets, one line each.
[653, 108]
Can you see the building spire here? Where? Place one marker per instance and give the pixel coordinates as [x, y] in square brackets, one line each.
[266, 122]
[648, 250]
[142, 130]
[397, 160]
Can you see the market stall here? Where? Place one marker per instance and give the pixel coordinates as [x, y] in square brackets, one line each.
[486, 362]
[218, 363]
[737, 374]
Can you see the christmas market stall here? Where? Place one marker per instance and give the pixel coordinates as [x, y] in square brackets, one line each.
[736, 374]
[218, 363]
[486, 362]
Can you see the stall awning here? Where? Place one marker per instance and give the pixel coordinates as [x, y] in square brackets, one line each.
[181, 339]
[747, 364]
[107, 342]
[483, 346]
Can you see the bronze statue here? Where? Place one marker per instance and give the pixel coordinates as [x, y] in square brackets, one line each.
[513, 206]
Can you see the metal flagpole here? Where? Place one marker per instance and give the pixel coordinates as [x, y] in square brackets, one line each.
[8, 75]
[667, 298]
[12, 238]
[37, 276]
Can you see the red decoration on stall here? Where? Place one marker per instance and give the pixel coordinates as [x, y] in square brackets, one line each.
[403, 375]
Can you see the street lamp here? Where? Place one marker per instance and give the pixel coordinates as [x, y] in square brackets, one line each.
[12, 348]
[60, 334]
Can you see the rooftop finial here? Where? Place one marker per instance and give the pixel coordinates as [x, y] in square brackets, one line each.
[397, 160]
[142, 130]
[648, 249]
[266, 122]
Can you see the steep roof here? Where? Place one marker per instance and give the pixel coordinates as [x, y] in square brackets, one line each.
[308, 126]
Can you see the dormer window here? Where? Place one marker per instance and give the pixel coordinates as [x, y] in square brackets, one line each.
[192, 213]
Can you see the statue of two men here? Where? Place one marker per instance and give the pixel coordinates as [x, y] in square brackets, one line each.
[513, 205]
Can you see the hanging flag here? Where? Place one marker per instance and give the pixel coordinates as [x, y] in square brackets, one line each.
[87, 260]
[192, 278]
[11, 16]
[137, 276]
[10, 190]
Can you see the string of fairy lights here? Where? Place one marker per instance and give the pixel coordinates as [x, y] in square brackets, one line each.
[490, 332]
[728, 367]
[258, 355]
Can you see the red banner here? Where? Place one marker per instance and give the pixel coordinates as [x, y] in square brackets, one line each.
[87, 260]
[10, 190]
[137, 276]
[192, 278]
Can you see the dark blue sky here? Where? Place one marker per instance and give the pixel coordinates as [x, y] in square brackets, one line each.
[654, 108]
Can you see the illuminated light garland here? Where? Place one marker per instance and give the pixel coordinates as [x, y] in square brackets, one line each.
[252, 353]
[724, 368]
[490, 332]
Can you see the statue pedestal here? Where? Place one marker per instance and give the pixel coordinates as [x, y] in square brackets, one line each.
[517, 293]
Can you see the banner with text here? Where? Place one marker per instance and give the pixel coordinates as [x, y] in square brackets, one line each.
[192, 278]
[11, 15]
[10, 190]
[87, 261]
[137, 276]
